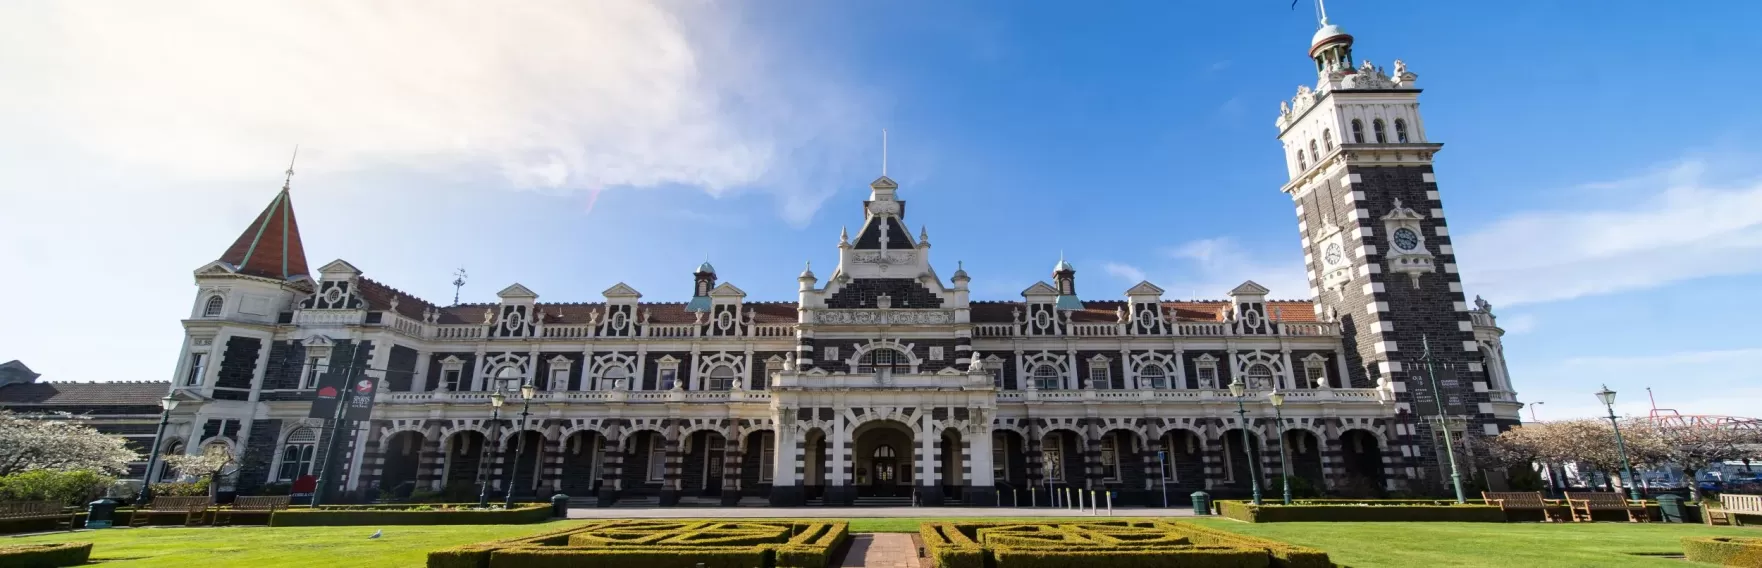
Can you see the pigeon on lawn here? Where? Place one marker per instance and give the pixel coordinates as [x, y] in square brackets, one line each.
[376, 534]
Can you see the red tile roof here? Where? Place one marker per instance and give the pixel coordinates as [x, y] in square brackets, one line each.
[270, 247]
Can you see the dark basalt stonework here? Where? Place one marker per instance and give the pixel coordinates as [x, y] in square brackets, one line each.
[903, 293]
[239, 363]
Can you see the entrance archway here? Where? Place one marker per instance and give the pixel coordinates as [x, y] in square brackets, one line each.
[882, 452]
[583, 459]
[402, 454]
[464, 462]
[1304, 448]
[1242, 463]
[702, 468]
[948, 461]
[1362, 459]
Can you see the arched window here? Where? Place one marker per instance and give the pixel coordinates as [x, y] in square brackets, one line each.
[1046, 377]
[1313, 151]
[613, 378]
[1152, 376]
[1260, 376]
[1327, 139]
[882, 358]
[721, 378]
[885, 451]
[212, 310]
[1357, 131]
[1376, 126]
[1401, 131]
[1302, 164]
[297, 453]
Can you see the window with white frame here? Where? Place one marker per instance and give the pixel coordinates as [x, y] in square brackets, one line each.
[1046, 377]
[1098, 373]
[1401, 131]
[214, 306]
[452, 373]
[1260, 376]
[884, 359]
[1205, 369]
[721, 378]
[999, 457]
[767, 458]
[994, 366]
[667, 371]
[613, 378]
[1052, 460]
[314, 370]
[657, 457]
[560, 367]
[935, 353]
[193, 377]
[1315, 371]
[1112, 445]
[297, 453]
[1168, 459]
[1376, 127]
[1152, 376]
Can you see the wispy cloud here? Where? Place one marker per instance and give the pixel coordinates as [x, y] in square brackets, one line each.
[1515, 324]
[1208, 268]
[556, 96]
[1680, 222]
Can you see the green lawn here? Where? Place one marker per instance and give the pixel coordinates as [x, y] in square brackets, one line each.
[1360, 545]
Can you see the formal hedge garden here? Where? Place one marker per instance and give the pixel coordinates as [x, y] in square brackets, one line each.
[1109, 544]
[1362, 511]
[436, 514]
[45, 555]
[1741, 552]
[662, 543]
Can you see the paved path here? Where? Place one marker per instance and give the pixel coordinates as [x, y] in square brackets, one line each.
[881, 550]
[859, 512]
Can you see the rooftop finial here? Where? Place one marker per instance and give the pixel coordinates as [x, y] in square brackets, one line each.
[290, 179]
[458, 282]
[1321, 10]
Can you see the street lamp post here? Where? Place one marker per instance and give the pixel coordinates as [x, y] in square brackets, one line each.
[168, 403]
[495, 402]
[1533, 406]
[1278, 400]
[1236, 390]
[1443, 419]
[526, 392]
[1627, 472]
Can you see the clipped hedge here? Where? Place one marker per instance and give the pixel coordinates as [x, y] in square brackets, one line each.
[346, 515]
[1110, 544]
[1361, 511]
[45, 555]
[662, 543]
[1724, 551]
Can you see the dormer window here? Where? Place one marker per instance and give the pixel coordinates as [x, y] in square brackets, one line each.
[212, 309]
[1401, 131]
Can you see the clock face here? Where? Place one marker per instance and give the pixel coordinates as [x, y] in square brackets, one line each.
[1334, 254]
[1406, 239]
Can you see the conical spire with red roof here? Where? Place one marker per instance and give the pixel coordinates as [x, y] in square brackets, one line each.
[270, 247]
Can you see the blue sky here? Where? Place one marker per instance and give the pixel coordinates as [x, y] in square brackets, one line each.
[1599, 171]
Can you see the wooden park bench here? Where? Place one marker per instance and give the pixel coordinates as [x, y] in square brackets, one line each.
[194, 510]
[1582, 504]
[1520, 501]
[37, 510]
[266, 504]
[1732, 505]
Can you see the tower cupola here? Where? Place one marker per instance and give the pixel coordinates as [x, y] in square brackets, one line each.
[704, 281]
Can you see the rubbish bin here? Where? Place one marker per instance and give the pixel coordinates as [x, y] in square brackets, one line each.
[1201, 503]
[1670, 508]
[560, 505]
[99, 513]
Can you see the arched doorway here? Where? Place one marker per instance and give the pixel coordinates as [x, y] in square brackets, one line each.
[1242, 463]
[583, 460]
[403, 459]
[520, 469]
[1304, 449]
[464, 458]
[882, 452]
[950, 464]
[1361, 459]
[702, 470]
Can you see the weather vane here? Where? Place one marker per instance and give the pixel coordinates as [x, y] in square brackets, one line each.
[458, 282]
[290, 179]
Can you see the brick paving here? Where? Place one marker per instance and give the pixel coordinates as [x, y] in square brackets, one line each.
[881, 550]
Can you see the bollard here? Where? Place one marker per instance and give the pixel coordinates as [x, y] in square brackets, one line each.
[1013, 500]
[999, 497]
[1110, 503]
[1093, 508]
[1033, 497]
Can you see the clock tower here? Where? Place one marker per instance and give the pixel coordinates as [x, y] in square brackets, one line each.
[1379, 260]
